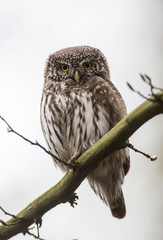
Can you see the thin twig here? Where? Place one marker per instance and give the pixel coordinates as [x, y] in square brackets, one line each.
[4, 223]
[32, 234]
[152, 158]
[31, 228]
[10, 129]
[9, 214]
[38, 222]
[138, 92]
[8, 224]
[147, 80]
[38, 230]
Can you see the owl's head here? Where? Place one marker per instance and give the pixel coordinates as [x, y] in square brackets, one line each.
[75, 64]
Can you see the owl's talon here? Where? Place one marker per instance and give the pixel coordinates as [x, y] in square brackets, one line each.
[74, 158]
[72, 161]
[73, 200]
[74, 165]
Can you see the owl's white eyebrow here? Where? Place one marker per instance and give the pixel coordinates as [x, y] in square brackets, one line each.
[57, 63]
[88, 60]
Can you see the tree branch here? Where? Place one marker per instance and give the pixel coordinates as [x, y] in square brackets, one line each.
[115, 139]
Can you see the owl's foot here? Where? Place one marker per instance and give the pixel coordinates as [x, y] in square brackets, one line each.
[72, 161]
[73, 200]
[74, 157]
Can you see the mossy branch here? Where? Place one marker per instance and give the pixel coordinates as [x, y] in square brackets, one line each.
[64, 189]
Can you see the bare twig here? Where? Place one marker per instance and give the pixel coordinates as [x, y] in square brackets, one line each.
[10, 129]
[38, 231]
[32, 234]
[8, 224]
[147, 80]
[4, 223]
[9, 214]
[152, 158]
[31, 228]
[138, 92]
[38, 222]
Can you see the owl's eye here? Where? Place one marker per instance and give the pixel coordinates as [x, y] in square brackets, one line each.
[64, 67]
[87, 65]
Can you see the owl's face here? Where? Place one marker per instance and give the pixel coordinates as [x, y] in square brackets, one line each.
[75, 65]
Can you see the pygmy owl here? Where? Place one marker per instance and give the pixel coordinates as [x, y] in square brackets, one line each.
[79, 105]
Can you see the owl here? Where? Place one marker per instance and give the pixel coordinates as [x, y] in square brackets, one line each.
[79, 105]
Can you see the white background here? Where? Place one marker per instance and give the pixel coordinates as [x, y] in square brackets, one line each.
[130, 34]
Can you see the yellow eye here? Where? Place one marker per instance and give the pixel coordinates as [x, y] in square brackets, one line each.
[64, 67]
[87, 65]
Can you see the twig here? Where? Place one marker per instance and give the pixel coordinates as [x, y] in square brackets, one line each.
[38, 230]
[32, 234]
[152, 158]
[10, 129]
[4, 223]
[138, 92]
[11, 215]
[147, 80]
[31, 228]
[7, 224]
[38, 222]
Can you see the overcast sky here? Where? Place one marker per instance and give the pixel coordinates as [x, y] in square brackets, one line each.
[130, 34]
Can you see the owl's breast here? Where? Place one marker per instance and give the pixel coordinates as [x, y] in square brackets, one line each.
[85, 120]
[72, 122]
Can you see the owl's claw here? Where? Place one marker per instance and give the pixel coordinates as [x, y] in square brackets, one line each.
[74, 165]
[74, 158]
[72, 161]
[73, 200]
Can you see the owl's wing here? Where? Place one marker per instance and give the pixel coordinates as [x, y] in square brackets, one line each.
[107, 178]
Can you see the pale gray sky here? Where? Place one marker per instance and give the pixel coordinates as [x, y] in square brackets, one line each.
[130, 34]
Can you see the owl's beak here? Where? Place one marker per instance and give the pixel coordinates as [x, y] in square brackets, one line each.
[76, 76]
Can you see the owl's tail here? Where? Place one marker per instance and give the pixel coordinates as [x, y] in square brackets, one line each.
[112, 197]
[109, 188]
[118, 208]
